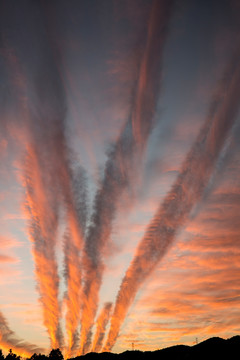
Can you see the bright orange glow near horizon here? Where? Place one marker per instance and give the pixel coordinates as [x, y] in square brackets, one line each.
[119, 174]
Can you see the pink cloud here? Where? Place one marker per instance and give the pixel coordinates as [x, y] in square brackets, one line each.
[7, 259]
[12, 216]
[8, 275]
[3, 147]
[194, 292]
[9, 242]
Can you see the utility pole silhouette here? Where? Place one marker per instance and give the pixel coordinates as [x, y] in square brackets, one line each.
[132, 346]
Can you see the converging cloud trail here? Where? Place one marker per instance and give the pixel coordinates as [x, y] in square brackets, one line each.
[184, 194]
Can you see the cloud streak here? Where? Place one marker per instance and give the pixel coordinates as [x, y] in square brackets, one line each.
[121, 161]
[43, 235]
[36, 78]
[101, 324]
[184, 194]
[72, 263]
[8, 340]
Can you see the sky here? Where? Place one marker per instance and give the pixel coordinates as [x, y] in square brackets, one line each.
[120, 173]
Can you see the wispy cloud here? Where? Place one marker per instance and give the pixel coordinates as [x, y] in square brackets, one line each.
[8, 340]
[185, 193]
[7, 259]
[101, 324]
[121, 160]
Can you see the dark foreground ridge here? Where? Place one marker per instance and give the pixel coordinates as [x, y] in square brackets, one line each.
[214, 348]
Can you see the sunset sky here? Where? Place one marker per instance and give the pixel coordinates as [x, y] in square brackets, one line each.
[119, 174]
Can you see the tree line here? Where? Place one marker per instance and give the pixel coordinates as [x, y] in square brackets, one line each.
[55, 354]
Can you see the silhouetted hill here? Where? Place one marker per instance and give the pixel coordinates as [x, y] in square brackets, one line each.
[211, 349]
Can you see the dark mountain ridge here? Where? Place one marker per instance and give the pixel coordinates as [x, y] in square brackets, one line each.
[211, 349]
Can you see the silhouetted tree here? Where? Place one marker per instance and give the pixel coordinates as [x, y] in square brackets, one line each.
[56, 354]
[12, 356]
[38, 357]
[1, 355]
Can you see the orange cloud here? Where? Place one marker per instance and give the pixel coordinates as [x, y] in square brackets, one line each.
[8, 340]
[7, 259]
[101, 324]
[186, 191]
